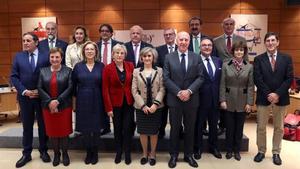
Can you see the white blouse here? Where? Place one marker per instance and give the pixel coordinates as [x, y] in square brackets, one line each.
[73, 55]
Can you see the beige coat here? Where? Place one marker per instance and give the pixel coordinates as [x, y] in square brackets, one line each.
[237, 88]
[139, 88]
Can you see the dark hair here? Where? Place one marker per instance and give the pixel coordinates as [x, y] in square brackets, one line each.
[57, 49]
[208, 38]
[34, 36]
[239, 44]
[195, 18]
[109, 27]
[86, 38]
[268, 34]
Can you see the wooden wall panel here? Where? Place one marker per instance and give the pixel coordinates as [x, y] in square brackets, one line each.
[290, 29]
[100, 5]
[68, 18]
[4, 32]
[4, 43]
[135, 17]
[141, 4]
[27, 6]
[290, 42]
[273, 15]
[290, 15]
[5, 70]
[259, 4]
[3, 18]
[216, 16]
[3, 6]
[180, 4]
[295, 54]
[16, 44]
[15, 32]
[94, 29]
[178, 15]
[180, 26]
[64, 5]
[212, 29]
[143, 25]
[103, 17]
[5, 58]
[15, 18]
[273, 27]
[228, 4]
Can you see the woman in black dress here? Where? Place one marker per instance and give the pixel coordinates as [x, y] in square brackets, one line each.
[87, 81]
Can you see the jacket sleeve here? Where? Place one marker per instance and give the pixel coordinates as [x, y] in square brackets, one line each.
[289, 76]
[15, 77]
[139, 101]
[45, 97]
[169, 84]
[68, 57]
[68, 91]
[258, 77]
[250, 88]
[200, 78]
[161, 93]
[223, 84]
[105, 90]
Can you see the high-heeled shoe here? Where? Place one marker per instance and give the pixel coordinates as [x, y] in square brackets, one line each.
[56, 159]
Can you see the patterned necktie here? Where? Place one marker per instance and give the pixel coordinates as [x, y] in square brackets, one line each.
[105, 53]
[32, 61]
[171, 49]
[182, 63]
[197, 47]
[229, 44]
[210, 70]
[51, 44]
[273, 62]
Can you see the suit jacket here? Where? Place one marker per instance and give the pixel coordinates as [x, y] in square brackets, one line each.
[175, 80]
[209, 90]
[113, 90]
[139, 87]
[22, 75]
[237, 87]
[221, 47]
[44, 46]
[113, 43]
[64, 87]
[162, 52]
[192, 42]
[268, 81]
[130, 52]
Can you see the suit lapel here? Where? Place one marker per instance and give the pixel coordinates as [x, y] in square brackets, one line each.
[190, 61]
[224, 44]
[267, 63]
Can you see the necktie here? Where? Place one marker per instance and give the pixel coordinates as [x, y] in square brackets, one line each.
[51, 44]
[182, 63]
[171, 49]
[210, 70]
[32, 61]
[273, 62]
[196, 43]
[135, 54]
[229, 44]
[105, 53]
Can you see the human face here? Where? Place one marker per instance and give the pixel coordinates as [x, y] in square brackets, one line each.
[90, 52]
[105, 33]
[136, 35]
[195, 27]
[271, 44]
[169, 36]
[29, 44]
[79, 35]
[51, 29]
[206, 47]
[228, 26]
[119, 55]
[55, 59]
[148, 59]
[183, 41]
[239, 53]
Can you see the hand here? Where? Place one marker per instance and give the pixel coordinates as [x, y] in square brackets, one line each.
[248, 108]
[223, 105]
[53, 106]
[146, 109]
[110, 114]
[32, 94]
[186, 95]
[153, 108]
[273, 98]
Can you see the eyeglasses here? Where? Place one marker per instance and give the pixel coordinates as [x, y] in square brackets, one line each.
[206, 45]
[105, 31]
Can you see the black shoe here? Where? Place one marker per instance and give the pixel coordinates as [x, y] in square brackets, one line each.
[22, 161]
[190, 160]
[277, 159]
[259, 157]
[56, 159]
[105, 131]
[45, 157]
[197, 155]
[205, 132]
[216, 153]
[221, 131]
[127, 158]
[172, 162]
[144, 160]
[65, 158]
[94, 159]
[152, 161]
[237, 156]
[88, 157]
[118, 158]
[228, 155]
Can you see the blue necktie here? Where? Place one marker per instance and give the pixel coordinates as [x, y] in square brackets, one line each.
[182, 63]
[210, 70]
[32, 61]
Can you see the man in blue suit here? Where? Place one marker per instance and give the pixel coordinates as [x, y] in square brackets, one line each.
[24, 76]
[52, 40]
[209, 100]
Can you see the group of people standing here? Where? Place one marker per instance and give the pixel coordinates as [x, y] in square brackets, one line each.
[194, 80]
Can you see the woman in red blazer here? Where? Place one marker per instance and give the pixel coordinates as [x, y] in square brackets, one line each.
[118, 100]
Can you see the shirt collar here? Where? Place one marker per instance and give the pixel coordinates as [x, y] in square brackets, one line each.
[133, 44]
[226, 36]
[179, 53]
[204, 58]
[275, 54]
[108, 42]
[198, 36]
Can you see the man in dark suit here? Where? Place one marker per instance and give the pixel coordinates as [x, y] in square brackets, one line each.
[209, 100]
[183, 75]
[163, 50]
[52, 40]
[135, 45]
[105, 46]
[195, 24]
[24, 76]
[273, 74]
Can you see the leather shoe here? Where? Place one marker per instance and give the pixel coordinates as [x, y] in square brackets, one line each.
[152, 161]
[228, 155]
[45, 157]
[144, 160]
[105, 131]
[172, 162]
[237, 156]
[277, 159]
[191, 161]
[197, 155]
[22, 161]
[205, 132]
[118, 158]
[259, 157]
[216, 153]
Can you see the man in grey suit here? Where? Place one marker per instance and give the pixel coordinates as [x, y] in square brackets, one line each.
[183, 76]
[224, 42]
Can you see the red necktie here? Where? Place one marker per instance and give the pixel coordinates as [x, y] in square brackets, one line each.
[273, 62]
[105, 53]
[229, 44]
